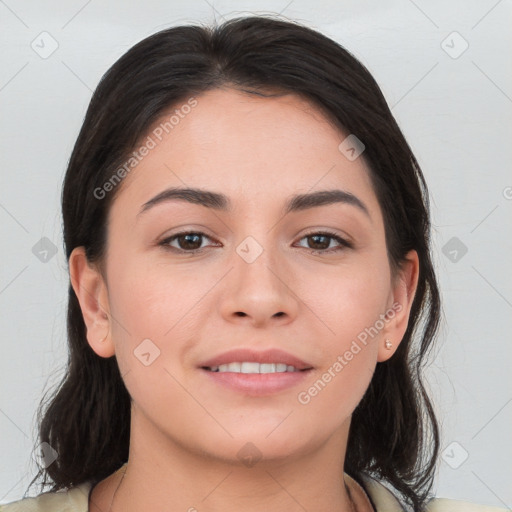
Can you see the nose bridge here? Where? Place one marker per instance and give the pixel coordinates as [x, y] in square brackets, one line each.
[255, 260]
[259, 244]
[258, 282]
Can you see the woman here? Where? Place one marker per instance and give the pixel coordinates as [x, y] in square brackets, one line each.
[252, 296]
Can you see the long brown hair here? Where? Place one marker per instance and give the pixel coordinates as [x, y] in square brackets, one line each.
[394, 433]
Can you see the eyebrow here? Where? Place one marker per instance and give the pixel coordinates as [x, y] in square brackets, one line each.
[221, 202]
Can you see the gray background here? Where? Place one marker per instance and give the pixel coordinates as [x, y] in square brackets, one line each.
[453, 104]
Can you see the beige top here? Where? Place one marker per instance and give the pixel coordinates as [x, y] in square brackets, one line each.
[76, 499]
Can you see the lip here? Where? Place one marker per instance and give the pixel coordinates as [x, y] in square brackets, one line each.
[257, 384]
[273, 355]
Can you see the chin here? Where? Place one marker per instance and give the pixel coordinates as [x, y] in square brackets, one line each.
[253, 445]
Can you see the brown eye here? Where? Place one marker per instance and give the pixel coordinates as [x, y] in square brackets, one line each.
[321, 242]
[189, 241]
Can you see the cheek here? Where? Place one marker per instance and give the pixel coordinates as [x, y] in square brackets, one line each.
[355, 305]
[160, 303]
[335, 390]
[336, 305]
[149, 315]
[351, 313]
[149, 298]
[156, 301]
[348, 299]
[348, 346]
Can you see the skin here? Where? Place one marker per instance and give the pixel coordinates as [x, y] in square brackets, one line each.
[185, 430]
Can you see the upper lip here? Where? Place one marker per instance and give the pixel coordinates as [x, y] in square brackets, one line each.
[272, 355]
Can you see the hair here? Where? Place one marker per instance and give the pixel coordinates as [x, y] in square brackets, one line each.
[394, 434]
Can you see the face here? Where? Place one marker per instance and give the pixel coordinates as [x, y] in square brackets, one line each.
[259, 271]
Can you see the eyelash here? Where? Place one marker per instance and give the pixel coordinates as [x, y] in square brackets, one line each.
[344, 244]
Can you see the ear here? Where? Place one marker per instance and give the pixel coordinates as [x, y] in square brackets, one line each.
[91, 291]
[403, 291]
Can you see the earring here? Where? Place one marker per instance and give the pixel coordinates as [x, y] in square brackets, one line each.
[388, 344]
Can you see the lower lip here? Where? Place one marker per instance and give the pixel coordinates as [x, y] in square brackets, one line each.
[258, 384]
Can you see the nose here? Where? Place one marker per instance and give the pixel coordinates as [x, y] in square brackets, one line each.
[259, 288]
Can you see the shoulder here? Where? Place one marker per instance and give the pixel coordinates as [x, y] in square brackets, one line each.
[385, 501]
[75, 499]
[447, 505]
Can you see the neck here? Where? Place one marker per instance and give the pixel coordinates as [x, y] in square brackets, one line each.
[164, 475]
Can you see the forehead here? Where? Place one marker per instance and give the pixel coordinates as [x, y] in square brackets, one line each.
[250, 147]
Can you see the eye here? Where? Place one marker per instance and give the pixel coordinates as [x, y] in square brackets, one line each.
[321, 242]
[187, 241]
[191, 242]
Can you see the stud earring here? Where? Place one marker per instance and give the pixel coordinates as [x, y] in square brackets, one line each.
[388, 344]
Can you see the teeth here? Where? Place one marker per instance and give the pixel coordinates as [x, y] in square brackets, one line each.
[247, 368]
[251, 367]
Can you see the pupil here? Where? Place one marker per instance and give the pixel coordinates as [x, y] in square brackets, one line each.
[188, 241]
[324, 245]
[193, 241]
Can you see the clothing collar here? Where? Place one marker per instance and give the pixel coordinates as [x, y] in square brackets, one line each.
[381, 498]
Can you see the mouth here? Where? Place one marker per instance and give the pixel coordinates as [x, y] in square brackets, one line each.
[256, 373]
[250, 367]
[246, 360]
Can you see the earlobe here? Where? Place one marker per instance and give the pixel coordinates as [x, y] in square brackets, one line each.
[402, 295]
[91, 291]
